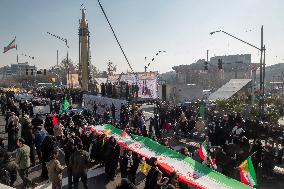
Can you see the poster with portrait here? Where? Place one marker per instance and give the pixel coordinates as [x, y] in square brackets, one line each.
[145, 82]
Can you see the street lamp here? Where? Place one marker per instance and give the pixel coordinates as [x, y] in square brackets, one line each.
[153, 58]
[262, 63]
[67, 59]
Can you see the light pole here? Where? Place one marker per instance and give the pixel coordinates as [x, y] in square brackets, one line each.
[147, 66]
[67, 59]
[261, 65]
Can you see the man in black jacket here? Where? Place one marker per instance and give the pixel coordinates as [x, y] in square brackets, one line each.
[111, 157]
[79, 162]
[69, 149]
[28, 136]
[37, 121]
[47, 146]
[151, 179]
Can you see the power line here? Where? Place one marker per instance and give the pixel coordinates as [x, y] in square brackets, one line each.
[115, 36]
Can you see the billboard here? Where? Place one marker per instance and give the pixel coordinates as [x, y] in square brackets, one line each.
[73, 80]
[146, 82]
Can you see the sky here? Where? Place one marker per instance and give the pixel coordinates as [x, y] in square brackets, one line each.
[179, 27]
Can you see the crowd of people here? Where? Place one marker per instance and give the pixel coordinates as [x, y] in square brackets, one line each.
[72, 134]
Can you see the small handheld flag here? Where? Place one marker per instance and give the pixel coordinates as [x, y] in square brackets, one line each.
[203, 153]
[145, 168]
[247, 172]
[64, 106]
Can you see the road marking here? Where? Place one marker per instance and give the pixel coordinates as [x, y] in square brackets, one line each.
[91, 173]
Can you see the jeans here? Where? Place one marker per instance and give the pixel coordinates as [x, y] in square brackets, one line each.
[76, 179]
[24, 176]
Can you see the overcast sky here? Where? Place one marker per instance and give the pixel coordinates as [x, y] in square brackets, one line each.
[181, 27]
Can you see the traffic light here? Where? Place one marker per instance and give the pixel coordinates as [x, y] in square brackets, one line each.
[44, 71]
[205, 65]
[27, 71]
[220, 64]
[32, 71]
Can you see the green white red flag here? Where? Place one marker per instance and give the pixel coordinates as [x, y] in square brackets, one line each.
[203, 154]
[189, 171]
[247, 172]
[12, 45]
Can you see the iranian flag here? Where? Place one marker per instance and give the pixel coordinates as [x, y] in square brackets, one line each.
[203, 154]
[189, 171]
[12, 45]
[247, 173]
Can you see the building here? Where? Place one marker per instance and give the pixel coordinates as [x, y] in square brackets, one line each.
[231, 59]
[18, 69]
[233, 67]
[21, 68]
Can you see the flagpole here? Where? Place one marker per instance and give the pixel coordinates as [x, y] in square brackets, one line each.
[247, 158]
[16, 44]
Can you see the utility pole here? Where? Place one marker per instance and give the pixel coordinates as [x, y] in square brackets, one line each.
[68, 70]
[207, 55]
[261, 65]
[263, 70]
[253, 85]
[261, 100]
[57, 58]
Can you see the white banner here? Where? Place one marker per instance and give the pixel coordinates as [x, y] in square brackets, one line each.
[41, 109]
[23, 96]
[102, 103]
[147, 83]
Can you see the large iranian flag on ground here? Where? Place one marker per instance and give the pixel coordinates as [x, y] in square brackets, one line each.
[189, 171]
[247, 173]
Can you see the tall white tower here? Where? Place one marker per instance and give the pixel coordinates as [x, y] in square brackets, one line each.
[84, 52]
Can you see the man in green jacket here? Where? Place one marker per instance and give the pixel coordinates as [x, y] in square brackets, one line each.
[23, 162]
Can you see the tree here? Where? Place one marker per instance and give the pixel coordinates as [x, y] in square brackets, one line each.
[65, 65]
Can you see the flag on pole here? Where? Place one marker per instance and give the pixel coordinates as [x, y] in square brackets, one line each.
[12, 45]
[203, 153]
[64, 106]
[247, 172]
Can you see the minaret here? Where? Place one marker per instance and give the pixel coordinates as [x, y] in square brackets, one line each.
[84, 58]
